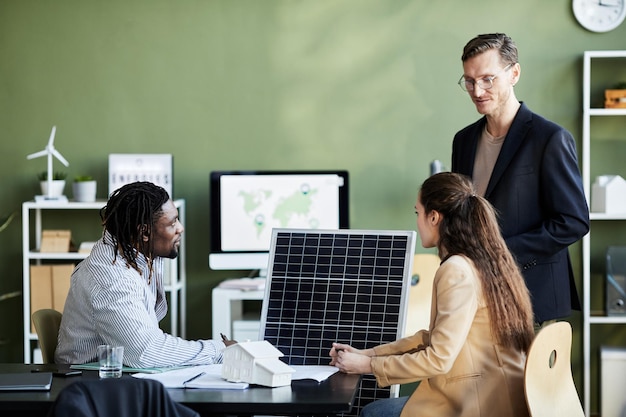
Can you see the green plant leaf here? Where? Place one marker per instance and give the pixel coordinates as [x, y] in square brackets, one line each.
[4, 221]
[59, 175]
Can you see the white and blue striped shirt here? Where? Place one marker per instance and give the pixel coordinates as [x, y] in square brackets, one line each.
[111, 303]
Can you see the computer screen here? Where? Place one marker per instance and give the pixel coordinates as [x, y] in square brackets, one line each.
[246, 205]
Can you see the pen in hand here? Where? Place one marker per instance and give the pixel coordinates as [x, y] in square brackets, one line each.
[226, 340]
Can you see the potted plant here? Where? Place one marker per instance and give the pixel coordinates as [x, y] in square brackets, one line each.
[84, 188]
[57, 183]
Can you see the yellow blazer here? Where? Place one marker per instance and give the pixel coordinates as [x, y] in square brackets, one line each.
[463, 372]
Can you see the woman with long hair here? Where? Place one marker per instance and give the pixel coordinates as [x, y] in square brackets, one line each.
[470, 362]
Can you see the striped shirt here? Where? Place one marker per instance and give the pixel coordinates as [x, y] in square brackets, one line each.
[111, 303]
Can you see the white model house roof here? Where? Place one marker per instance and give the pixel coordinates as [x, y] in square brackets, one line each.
[258, 349]
[275, 366]
[256, 363]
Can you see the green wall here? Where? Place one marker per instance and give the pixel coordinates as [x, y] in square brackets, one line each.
[364, 85]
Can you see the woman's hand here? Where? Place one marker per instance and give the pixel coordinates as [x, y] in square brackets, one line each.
[351, 360]
[339, 347]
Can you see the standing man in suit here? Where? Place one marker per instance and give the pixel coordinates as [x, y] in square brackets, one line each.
[527, 167]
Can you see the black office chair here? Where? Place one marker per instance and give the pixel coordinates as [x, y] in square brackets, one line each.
[113, 397]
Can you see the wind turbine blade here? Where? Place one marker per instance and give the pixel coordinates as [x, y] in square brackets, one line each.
[52, 133]
[37, 154]
[60, 157]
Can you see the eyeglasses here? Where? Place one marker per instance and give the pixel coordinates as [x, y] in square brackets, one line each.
[467, 84]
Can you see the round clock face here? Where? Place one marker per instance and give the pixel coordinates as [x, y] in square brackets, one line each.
[599, 15]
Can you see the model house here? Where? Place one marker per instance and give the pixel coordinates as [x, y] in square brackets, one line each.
[608, 194]
[255, 363]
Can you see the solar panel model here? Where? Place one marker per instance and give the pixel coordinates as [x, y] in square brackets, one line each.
[348, 286]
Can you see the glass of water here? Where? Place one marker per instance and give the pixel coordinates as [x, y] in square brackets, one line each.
[111, 359]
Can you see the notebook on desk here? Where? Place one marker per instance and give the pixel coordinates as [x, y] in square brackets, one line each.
[94, 366]
[26, 381]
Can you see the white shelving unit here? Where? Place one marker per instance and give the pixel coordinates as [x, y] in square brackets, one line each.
[228, 312]
[31, 256]
[590, 317]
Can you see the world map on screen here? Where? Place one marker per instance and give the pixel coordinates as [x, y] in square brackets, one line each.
[252, 207]
[296, 206]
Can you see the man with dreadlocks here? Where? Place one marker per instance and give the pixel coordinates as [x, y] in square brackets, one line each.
[116, 294]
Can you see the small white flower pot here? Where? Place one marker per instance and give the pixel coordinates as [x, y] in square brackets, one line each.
[84, 191]
[56, 189]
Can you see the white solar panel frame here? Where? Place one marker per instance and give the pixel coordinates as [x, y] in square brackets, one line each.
[320, 264]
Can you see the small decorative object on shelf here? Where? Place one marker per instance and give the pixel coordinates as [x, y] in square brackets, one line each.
[616, 98]
[55, 241]
[52, 189]
[84, 189]
[85, 247]
[127, 168]
[49, 151]
[608, 194]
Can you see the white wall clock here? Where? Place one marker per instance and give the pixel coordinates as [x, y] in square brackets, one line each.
[599, 15]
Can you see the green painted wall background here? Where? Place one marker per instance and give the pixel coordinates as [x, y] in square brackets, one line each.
[365, 85]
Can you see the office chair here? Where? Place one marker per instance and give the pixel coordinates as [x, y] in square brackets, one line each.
[420, 293]
[47, 322]
[548, 383]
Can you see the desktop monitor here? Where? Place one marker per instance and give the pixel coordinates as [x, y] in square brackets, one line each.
[246, 205]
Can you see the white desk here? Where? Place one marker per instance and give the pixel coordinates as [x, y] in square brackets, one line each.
[228, 307]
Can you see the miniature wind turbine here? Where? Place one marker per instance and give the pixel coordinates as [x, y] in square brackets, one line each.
[50, 151]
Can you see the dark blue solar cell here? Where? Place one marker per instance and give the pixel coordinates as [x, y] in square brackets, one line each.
[345, 286]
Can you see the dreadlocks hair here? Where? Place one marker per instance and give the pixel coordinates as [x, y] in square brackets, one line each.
[469, 227]
[129, 216]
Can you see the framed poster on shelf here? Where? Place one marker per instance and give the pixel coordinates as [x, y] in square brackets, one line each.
[125, 168]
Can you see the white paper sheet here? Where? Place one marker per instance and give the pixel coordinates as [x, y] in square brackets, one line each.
[316, 372]
[203, 376]
[210, 376]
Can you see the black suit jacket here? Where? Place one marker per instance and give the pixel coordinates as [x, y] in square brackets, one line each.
[537, 190]
[112, 397]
